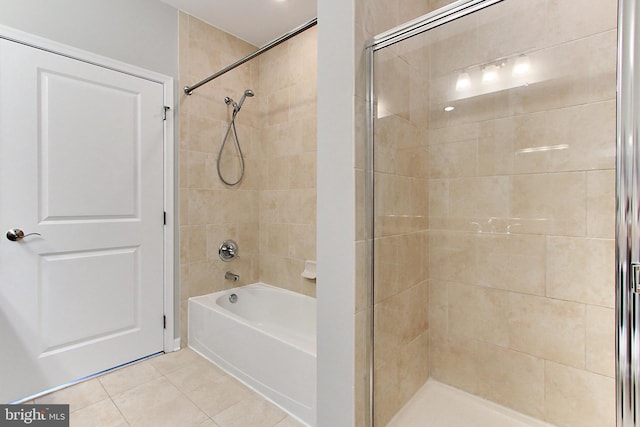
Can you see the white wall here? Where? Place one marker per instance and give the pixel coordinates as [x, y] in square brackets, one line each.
[336, 213]
[138, 32]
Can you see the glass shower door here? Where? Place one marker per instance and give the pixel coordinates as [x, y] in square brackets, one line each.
[494, 152]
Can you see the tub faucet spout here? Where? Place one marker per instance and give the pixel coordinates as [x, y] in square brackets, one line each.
[231, 276]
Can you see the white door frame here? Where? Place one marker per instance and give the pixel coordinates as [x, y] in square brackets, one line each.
[171, 343]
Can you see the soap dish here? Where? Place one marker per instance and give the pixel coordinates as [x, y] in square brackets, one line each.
[309, 270]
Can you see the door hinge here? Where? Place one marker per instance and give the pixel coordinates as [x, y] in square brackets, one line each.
[164, 322]
[164, 218]
[635, 277]
[164, 112]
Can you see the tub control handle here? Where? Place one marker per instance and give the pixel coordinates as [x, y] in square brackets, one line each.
[228, 250]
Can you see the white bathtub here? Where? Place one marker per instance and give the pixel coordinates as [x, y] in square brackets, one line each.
[267, 339]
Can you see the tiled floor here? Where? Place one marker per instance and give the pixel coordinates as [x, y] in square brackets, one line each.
[439, 405]
[178, 389]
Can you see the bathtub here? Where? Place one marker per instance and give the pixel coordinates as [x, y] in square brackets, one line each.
[266, 339]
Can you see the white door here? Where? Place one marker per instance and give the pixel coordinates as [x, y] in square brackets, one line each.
[81, 163]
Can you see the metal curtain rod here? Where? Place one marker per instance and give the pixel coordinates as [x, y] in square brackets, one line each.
[189, 89]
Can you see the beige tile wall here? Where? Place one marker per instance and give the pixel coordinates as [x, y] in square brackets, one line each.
[519, 248]
[288, 140]
[210, 212]
[401, 217]
[271, 213]
[402, 199]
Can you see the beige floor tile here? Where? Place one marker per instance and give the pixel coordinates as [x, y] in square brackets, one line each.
[136, 402]
[77, 396]
[178, 412]
[289, 422]
[124, 379]
[178, 389]
[196, 374]
[217, 396]
[100, 414]
[175, 360]
[252, 412]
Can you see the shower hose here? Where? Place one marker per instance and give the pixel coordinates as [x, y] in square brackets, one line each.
[231, 129]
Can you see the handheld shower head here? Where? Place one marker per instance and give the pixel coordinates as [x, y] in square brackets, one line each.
[248, 93]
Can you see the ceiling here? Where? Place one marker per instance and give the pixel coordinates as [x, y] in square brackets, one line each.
[255, 21]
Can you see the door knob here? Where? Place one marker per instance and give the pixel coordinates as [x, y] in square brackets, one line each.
[15, 234]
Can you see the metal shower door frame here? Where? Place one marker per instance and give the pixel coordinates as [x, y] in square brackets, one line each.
[627, 216]
[402, 32]
[627, 309]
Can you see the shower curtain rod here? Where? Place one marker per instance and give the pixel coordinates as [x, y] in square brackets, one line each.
[189, 89]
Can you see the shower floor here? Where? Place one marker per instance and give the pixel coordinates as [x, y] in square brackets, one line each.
[440, 405]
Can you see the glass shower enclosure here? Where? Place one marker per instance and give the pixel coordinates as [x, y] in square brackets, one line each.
[492, 207]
